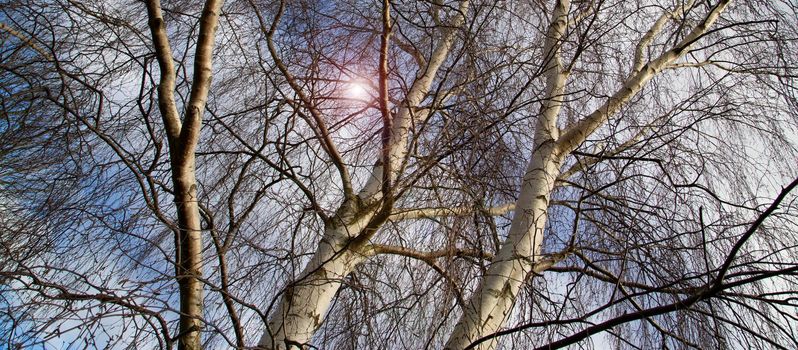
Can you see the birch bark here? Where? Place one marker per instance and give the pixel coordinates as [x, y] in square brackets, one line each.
[183, 137]
[303, 303]
[490, 306]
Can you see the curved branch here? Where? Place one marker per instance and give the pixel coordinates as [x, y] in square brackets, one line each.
[577, 133]
[321, 128]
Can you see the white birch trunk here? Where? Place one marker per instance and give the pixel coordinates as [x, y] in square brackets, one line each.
[492, 303]
[304, 303]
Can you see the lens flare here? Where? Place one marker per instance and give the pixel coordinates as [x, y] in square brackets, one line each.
[357, 91]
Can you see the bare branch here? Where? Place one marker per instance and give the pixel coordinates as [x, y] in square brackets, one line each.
[425, 213]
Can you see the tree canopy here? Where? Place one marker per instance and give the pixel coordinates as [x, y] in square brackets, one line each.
[442, 174]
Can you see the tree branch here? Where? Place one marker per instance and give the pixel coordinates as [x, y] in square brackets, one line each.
[166, 85]
[426, 213]
[577, 133]
[321, 128]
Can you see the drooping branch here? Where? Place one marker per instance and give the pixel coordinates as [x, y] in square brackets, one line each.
[578, 132]
[709, 290]
[580, 165]
[54, 291]
[321, 126]
[430, 256]
[26, 40]
[752, 229]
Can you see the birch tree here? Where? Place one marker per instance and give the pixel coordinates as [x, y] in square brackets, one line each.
[182, 136]
[401, 174]
[521, 252]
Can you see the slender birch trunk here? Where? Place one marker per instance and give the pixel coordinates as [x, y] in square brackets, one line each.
[182, 137]
[490, 305]
[188, 244]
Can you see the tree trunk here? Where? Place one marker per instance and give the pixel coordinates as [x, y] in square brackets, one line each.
[304, 302]
[183, 137]
[490, 305]
[188, 270]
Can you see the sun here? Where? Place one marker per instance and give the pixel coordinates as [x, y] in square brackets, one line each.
[357, 90]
